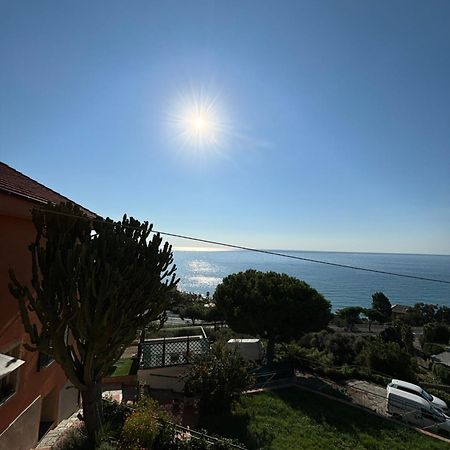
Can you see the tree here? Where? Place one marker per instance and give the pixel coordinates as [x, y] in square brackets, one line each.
[406, 335]
[218, 377]
[436, 332]
[423, 313]
[381, 304]
[443, 314]
[387, 358]
[94, 284]
[195, 311]
[274, 306]
[350, 316]
[372, 316]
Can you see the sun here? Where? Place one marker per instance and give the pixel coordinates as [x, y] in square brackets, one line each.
[198, 122]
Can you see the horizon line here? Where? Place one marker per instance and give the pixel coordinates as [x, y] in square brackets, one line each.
[219, 248]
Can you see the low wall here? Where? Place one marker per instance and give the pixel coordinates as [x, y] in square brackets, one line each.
[129, 380]
[164, 378]
[22, 434]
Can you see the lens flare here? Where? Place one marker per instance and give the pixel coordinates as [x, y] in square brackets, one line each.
[198, 122]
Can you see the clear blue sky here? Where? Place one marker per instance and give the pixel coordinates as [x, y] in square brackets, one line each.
[335, 116]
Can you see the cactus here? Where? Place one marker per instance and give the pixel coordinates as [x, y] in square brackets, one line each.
[94, 284]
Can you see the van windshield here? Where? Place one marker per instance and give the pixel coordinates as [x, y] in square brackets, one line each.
[426, 395]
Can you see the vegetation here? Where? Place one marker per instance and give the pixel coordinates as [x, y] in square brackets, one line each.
[349, 316]
[292, 418]
[274, 306]
[436, 332]
[218, 378]
[400, 333]
[372, 315]
[94, 284]
[141, 427]
[431, 348]
[123, 367]
[382, 305]
[387, 358]
[340, 348]
[194, 307]
[442, 373]
[422, 313]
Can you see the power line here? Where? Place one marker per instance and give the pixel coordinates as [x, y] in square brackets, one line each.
[267, 252]
[301, 258]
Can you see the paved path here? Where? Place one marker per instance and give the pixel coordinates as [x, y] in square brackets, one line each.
[55, 434]
[367, 394]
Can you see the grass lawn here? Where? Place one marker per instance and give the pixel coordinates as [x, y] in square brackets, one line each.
[295, 419]
[123, 366]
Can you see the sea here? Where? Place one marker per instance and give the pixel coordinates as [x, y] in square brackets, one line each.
[202, 271]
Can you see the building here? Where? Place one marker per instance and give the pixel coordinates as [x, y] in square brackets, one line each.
[34, 392]
[400, 311]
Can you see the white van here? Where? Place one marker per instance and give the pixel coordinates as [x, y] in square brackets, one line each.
[417, 390]
[417, 411]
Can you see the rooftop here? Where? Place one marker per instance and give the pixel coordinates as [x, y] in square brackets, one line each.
[15, 183]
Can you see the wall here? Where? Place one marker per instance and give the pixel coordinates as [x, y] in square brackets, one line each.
[16, 233]
[22, 434]
[163, 377]
[68, 401]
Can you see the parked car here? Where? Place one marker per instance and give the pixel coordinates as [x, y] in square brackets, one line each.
[417, 390]
[417, 411]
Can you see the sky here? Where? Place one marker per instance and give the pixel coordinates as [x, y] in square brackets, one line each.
[327, 123]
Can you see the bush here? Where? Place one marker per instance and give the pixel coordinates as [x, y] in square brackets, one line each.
[435, 332]
[341, 348]
[141, 427]
[442, 373]
[430, 348]
[387, 358]
[217, 378]
[115, 414]
[303, 358]
[78, 439]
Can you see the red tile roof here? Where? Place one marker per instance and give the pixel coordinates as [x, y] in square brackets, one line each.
[16, 183]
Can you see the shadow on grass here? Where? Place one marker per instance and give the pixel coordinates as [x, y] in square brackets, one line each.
[334, 415]
[320, 385]
[230, 425]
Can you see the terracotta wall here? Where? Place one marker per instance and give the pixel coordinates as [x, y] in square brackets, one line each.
[16, 232]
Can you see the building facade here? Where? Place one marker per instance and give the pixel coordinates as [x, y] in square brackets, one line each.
[35, 394]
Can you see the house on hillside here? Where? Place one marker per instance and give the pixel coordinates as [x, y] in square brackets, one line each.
[164, 360]
[399, 311]
[35, 394]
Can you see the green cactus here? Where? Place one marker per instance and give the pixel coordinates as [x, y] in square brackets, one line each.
[94, 284]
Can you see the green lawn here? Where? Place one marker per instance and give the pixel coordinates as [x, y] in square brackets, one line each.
[295, 419]
[123, 367]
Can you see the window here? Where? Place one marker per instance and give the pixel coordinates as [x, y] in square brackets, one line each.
[44, 360]
[9, 365]
[427, 396]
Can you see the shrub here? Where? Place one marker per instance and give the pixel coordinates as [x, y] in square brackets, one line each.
[78, 439]
[435, 332]
[115, 413]
[387, 358]
[217, 378]
[430, 348]
[341, 348]
[141, 427]
[442, 373]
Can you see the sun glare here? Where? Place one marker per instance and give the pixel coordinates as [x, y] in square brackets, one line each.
[198, 123]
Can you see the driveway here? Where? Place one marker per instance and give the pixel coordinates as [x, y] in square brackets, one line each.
[367, 394]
